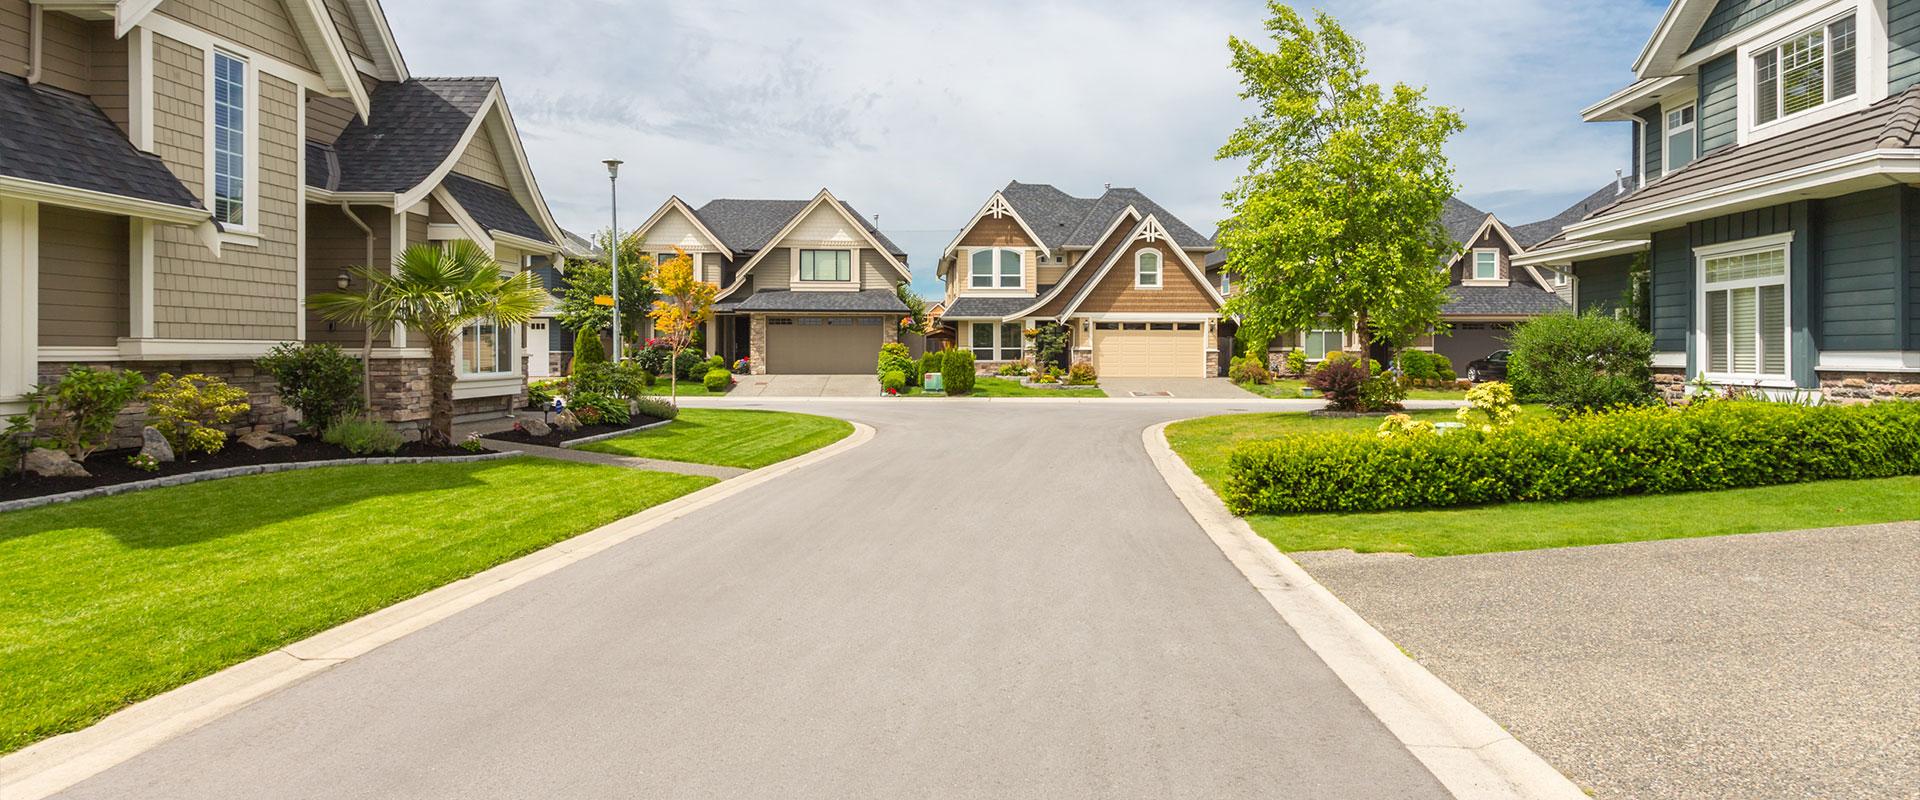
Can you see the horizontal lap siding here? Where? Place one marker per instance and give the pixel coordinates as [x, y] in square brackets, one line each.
[327, 117]
[13, 36]
[875, 273]
[110, 74]
[83, 278]
[1913, 271]
[1859, 277]
[349, 33]
[1604, 283]
[773, 272]
[1672, 290]
[262, 25]
[66, 53]
[1903, 44]
[1719, 104]
[481, 161]
[1729, 16]
[1088, 265]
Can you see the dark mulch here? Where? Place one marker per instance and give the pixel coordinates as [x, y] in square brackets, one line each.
[554, 438]
[110, 467]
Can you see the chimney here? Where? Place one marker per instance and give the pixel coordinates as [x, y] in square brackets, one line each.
[1619, 182]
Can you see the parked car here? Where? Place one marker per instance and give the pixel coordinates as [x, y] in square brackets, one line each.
[1491, 368]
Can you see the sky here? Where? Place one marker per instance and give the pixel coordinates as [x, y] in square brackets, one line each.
[917, 111]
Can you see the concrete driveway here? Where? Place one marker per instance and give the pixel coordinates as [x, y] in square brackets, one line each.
[806, 386]
[1770, 665]
[1205, 388]
[943, 612]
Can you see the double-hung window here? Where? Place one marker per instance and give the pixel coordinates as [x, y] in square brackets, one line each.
[1806, 71]
[1001, 342]
[826, 265]
[1146, 270]
[486, 347]
[229, 145]
[996, 268]
[1486, 265]
[1682, 144]
[1744, 302]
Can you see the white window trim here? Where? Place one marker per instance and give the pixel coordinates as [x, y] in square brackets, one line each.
[1472, 276]
[1159, 270]
[1666, 135]
[1870, 65]
[513, 355]
[1782, 243]
[999, 286]
[999, 343]
[247, 233]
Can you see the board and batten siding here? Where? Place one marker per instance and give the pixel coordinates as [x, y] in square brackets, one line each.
[1903, 45]
[1671, 290]
[1719, 111]
[83, 278]
[1911, 285]
[249, 292]
[1859, 269]
[261, 25]
[1604, 283]
[1729, 16]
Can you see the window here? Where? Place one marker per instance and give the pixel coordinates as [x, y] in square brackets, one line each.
[1000, 342]
[1806, 71]
[826, 265]
[996, 268]
[1320, 343]
[1745, 305]
[1188, 326]
[1146, 270]
[1010, 335]
[1486, 265]
[229, 146]
[1681, 142]
[1559, 278]
[486, 347]
[1226, 284]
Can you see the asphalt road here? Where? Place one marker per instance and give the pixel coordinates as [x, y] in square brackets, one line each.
[987, 601]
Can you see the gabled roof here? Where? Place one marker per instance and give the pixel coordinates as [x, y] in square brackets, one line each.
[55, 137]
[1149, 230]
[1519, 298]
[415, 126]
[1461, 221]
[311, 21]
[1533, 234]
[494, 208]
[1062, 220]
[748, 226]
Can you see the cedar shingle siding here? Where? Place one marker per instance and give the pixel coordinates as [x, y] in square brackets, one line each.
[259, 24]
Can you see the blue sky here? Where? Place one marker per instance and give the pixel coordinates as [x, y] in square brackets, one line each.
[917, 111]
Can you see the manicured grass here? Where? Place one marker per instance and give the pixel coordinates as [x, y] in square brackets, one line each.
[1011, 387]
[730, 437]
[693, 388]
[109, 601]
[1285, 389]
[1206, 443]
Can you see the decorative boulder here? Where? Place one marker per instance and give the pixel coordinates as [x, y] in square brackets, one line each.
[53, 464]
[535, 427]
[261, 440]
[566, 421]
[154, 444]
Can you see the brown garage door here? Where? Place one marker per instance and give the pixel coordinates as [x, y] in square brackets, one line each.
[1468, 341]
[1149, 350]
[822, 345]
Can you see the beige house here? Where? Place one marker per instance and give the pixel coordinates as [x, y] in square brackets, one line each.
[177, 177]
[806, 286]
[1122, 273]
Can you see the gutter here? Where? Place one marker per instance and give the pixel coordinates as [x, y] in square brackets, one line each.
[1882, 163]
[35, 47]
[364, 228]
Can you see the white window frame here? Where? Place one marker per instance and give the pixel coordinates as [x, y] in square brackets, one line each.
[997, 280]
[506, 336]
[1781, 243]
[1667, 131]
[799, 266]
[246, 231]
[999, 340]
[1485, 251]
[1870, 67]
[1159, 269]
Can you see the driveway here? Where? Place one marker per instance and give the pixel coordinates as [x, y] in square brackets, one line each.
[1770, 665]
[943, 612]
[806, 386]
[1203, 388]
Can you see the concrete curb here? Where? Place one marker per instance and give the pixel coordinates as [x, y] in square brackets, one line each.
[601, 437]
[55, 764]
[235, 472]
[1465, 749]
[1261, 403]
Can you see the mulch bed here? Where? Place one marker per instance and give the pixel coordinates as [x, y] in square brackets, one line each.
[110, 467]
[554, 438]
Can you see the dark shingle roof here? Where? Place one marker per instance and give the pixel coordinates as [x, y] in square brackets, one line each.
[1533, 234]
[994, 307]
[53, 136]
[876, 301]
[747, 226]
[415, 127]
[323, 166]
[1461, 221]
[1062, 220]
[493, 207]
[1520, 298]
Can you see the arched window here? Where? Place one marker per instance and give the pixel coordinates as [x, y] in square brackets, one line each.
[1146, 270]
[996, 268]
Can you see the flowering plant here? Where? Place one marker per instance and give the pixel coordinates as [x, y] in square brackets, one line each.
[143, 462]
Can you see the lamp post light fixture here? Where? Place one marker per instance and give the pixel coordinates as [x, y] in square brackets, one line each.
[613, 244]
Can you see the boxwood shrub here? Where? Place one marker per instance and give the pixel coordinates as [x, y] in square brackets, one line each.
[1647, 450]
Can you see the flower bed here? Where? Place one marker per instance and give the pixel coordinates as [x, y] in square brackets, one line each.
[1655, 450]
[556, 437]
[110, 467]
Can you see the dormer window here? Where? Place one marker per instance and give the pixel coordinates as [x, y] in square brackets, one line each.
[1681, 140]
[1806, 71]
[996, 268]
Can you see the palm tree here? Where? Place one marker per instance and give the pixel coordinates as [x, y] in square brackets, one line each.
[438, 292]
[368, 309]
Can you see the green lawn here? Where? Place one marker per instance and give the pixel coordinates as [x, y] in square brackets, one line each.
[109, 601]
[1205, 444]
[687, 388]
[730, 437]
[1290, 390]
[1011, 387]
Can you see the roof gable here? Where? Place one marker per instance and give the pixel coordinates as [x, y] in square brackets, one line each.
[855, 231]
[997, 208]
[675, 224]
[309, 20]
[1061, 220]
[1149, 231]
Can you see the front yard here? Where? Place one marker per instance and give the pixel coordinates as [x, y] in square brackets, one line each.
[1011, 387]
[743, 438]
[113, 600]
[1287, 389]
[1206, 443]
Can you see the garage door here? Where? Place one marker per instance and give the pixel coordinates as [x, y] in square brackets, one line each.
[1468, 341]
[1149, 350]
[822, 345]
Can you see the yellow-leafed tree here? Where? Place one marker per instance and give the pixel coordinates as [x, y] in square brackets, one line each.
[685, 304]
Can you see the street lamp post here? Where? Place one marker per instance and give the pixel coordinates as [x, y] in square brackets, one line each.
[613, 243]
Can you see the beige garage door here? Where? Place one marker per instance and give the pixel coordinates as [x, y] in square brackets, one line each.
[822, 345]
[1149, 350]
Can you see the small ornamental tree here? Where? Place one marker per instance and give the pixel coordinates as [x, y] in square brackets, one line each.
[1336, 222]
[685, 304]
[77, 412]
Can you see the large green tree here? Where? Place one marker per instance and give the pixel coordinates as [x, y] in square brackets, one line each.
[593, 277]
[1336, 223]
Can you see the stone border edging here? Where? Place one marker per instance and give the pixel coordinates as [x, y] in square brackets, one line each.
[1470, 754]
[53, 765]
[613, 435]
[185, 478]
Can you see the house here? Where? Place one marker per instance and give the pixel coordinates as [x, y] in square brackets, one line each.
[177, 176]
[1776, 147]
[1120, 271]
[806, 286]
[550, 343]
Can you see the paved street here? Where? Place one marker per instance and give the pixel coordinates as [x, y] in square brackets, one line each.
[989, 600]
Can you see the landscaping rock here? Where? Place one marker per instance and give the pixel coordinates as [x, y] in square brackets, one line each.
[566, 421]
[53, 464]
[536, 427]
[261, 440]
[154, 444]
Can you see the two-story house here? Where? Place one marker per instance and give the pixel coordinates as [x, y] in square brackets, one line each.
[806, 286]
[1121, 272]
[177, 176]
[1777, 144]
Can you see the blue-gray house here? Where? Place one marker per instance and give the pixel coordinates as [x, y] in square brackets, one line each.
[1777, 150]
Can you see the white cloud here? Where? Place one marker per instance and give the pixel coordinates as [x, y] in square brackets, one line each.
[915, 111]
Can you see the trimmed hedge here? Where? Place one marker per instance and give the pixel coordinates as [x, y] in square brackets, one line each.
[956, 371]
[1650, 450]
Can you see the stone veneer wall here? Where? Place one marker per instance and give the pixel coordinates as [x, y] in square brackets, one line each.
[1868, 387]
[262, 393]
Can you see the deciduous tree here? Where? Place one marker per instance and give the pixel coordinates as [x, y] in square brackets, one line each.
[685, 304]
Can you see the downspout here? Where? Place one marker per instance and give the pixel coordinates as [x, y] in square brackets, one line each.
[366, 345]
[34, 46]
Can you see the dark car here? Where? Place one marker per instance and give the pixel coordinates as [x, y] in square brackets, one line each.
[1491, 368]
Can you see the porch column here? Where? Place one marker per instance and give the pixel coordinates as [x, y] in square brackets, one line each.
[19, 299]
[757, 344]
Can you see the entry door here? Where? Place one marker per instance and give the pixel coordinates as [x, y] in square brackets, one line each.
[537, 358]
[822, 345]
[1149, 350]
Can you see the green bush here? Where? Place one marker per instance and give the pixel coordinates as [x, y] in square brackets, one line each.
[717, 380]
[1296, 362]
[598, 408]
[363, 437]
[655, 407]
[956, 372]
[1248, 369]
[540, 394]
[1443, 368]
[931, 361]
[1418, 365]
[1642, 450]
[689, 363]
[188, 410]
[716, 362]
[587, 349]
[894, 381]
[77, 412]
[894, 357]
[654, 358]
[1382, 392]
[318, 380]
[1081, 374]
[1582, 363]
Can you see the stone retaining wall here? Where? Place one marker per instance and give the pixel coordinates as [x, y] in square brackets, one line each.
[263, 394]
